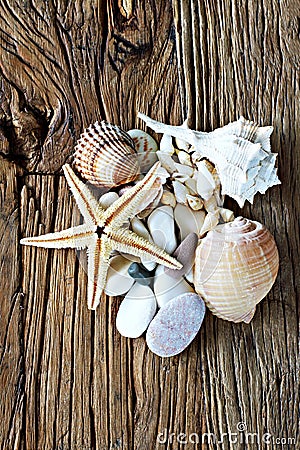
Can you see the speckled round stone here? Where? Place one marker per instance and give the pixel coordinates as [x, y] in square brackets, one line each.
[176, 325]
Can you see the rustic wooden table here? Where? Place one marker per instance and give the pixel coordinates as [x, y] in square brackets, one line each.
[68, 380]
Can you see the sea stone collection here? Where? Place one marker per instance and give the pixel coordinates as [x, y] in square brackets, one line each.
[161, 236]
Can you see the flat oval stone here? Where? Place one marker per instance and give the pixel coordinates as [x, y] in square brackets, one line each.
[136, 311]
[107, 199]
[176, 325]
[118, 282]
[185, 253]
[166, 287]
[161, 226]
[188, 221]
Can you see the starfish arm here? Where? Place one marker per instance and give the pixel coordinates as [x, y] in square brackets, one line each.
[76, 237]
[98, 263]
[129, 242]
[128, 204]
[86, 202]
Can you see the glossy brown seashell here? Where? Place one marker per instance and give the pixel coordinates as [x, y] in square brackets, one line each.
[105, 155]
[236, 265]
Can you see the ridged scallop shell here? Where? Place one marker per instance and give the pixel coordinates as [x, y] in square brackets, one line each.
[240, 152]
[105, 155]
[235, 267]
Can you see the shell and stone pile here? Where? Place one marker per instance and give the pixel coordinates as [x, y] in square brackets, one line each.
[228, 264]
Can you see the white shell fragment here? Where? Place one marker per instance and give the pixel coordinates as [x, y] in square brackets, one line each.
[226, 214]
[146, 148]
[166, 145]
[168, 198]
[136, 311]
[211, 220]
[205, 181]
[175, 325]
[166, 287]
[194, 202]
[161, 227]
[240, 152]
[180, 192]
[166, 161]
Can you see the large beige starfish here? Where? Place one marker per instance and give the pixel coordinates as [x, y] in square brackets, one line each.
[102, 231]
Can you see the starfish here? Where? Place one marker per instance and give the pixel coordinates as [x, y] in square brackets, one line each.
[102, 231]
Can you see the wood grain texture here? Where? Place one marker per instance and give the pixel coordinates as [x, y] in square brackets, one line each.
[68, 380]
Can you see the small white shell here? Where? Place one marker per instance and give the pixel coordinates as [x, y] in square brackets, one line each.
[180, 192]
[194, 202]
[105, 155]
[184, 169]
[226, 214]
[168, 198]
[184, 158]
[205, 180]
[211, 221]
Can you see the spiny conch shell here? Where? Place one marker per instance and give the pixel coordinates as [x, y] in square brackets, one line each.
[105, 155]
[240, 152]
[146, 148]
[235, 267]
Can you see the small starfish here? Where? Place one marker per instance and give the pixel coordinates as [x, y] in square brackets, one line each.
[102, 231]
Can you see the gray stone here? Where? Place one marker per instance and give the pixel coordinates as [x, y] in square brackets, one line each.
[185, 253]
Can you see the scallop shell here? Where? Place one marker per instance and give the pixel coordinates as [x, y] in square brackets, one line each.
[105, 155]
[240, 152]
[235, 267]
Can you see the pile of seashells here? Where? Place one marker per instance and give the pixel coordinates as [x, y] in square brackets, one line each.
[228, 263]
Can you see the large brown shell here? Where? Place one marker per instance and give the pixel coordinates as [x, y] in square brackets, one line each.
[235, 267]
[105, 155]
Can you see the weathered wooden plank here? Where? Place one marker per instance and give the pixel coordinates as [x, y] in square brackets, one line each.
[11, 301]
